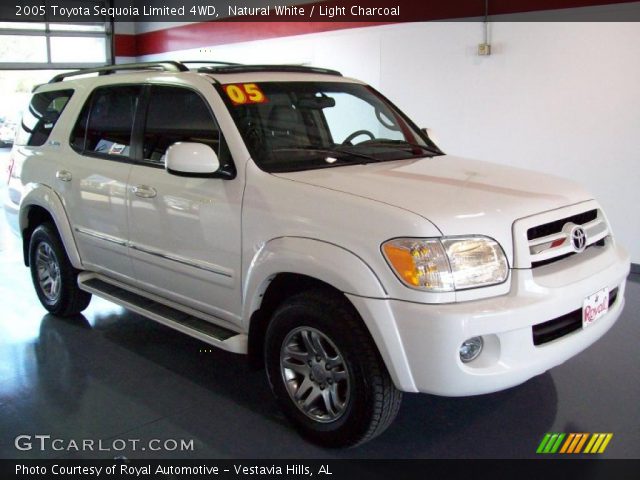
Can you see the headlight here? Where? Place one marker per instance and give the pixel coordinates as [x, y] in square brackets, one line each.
[447, 264]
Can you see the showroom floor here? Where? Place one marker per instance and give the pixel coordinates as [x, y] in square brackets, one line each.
[111, 374]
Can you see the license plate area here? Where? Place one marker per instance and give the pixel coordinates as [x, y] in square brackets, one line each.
[594, 307]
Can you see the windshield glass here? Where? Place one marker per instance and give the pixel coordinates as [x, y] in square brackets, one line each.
[289, 126]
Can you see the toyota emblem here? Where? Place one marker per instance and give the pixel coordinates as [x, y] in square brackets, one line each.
[578, 238]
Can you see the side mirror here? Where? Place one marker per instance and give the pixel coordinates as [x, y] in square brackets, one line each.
[191, 159]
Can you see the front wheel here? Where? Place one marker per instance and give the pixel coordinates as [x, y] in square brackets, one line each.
[326, 372]
[54, 278]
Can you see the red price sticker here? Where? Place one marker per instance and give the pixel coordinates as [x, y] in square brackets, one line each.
[244, 93]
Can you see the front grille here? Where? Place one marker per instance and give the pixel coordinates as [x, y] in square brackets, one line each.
[550, 228]
[599, 243]
[551, 241]
[561, 326]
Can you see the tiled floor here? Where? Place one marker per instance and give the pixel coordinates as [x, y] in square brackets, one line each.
[111, 374]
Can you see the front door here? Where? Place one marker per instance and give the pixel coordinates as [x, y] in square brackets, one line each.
[185, 231]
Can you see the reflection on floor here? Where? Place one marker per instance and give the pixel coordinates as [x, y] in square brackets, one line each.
[111, 374]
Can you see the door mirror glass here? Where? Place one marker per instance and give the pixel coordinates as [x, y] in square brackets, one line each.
[191, 159]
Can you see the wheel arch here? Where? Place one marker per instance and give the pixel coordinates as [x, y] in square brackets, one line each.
[291, 265]
[288, 265]
[42, 204]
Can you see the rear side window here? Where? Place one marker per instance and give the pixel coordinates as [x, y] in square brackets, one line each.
[177, 114]
[41, 116]
[106, 121]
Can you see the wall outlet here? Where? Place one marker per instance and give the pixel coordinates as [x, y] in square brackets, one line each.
[484, 49]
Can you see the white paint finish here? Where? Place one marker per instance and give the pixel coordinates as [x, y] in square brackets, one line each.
[187, 240]
[192, 157]
[431, 335]
[561, 98]
[276, 206]
[39, 195]
[204, 222]
[459, 196]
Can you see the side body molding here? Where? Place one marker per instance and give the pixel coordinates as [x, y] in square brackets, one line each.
[40, 195]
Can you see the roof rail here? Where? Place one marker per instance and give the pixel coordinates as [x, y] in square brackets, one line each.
[210, 62]
[267, 68]
[168, 66]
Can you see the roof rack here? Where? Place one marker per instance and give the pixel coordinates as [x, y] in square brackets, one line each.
[168, 66]
[267, 68]
[210, 62]
[212, 67]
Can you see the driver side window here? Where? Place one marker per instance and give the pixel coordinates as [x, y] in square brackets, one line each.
[352, 114]
[177, 114]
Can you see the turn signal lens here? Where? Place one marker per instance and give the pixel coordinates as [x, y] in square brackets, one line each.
[420, 263]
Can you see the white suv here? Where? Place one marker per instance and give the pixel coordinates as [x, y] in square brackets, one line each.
[297, 216]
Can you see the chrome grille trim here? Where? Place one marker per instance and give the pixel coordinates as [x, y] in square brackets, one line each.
[559, 244]
[531, 250]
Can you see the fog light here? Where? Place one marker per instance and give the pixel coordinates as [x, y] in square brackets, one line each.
[470, 349]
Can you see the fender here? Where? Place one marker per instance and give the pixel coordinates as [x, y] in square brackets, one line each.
[343, 270]
[324, 261]
[37, 194]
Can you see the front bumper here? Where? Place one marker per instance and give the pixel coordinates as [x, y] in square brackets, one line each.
[420, 343]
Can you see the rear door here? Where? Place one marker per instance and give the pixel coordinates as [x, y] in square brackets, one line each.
[185, 231]
[94, 179]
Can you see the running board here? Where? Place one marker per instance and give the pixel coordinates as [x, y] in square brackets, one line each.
[171, 317]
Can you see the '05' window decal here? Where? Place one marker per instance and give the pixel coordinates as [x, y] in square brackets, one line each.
[244, 93]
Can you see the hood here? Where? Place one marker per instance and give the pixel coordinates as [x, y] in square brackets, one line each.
[459, 196]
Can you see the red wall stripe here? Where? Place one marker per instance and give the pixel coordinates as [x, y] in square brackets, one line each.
[125, 45]
[243, 29]
[219, 33]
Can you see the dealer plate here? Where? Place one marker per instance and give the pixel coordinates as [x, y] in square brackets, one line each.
[595, 306]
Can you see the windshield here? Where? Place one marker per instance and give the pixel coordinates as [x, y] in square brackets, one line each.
[289, 126]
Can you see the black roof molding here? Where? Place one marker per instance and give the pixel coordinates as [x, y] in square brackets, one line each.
[268, 68]
[167, 66]
[211, 66]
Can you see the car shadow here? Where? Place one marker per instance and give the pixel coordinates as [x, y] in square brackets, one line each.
[203, 389]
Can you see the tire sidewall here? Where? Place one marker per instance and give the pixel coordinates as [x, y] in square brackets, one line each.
[353, 423]
[44, 234]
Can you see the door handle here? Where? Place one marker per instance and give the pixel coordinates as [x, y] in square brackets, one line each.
[64, 175]
[144, 191]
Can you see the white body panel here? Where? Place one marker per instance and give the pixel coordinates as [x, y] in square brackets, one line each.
[214, 245]
[459, 195]
[432, 334]
[184, 241]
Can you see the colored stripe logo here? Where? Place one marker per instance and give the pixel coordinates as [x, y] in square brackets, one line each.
[574, 443]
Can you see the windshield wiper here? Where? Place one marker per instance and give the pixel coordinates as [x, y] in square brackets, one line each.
[385, 142]
[330, 151]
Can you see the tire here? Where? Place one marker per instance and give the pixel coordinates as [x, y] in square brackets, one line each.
[54, 278]
[345, 396]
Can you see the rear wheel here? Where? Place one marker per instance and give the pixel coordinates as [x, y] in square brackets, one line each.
[326, 372]
[54, 278]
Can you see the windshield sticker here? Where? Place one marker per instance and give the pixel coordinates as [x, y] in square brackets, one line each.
[244, 93]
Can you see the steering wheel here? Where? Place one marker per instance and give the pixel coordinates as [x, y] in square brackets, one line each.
[357, 133]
